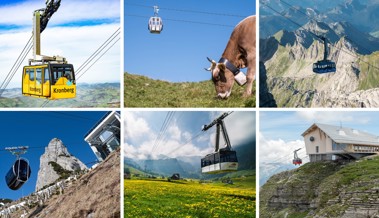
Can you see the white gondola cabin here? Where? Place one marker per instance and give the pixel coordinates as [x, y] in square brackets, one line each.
[155, 23]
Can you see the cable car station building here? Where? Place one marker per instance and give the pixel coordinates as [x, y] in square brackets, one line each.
[326, 142]
[104, 137]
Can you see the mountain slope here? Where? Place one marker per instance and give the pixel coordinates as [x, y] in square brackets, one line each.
[94, 194]
[288, 58]
[323, 189]
[141, 91]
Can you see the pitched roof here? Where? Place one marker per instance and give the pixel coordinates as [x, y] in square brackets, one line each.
[345, 134]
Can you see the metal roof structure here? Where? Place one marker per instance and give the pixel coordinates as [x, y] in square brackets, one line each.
[345, 135]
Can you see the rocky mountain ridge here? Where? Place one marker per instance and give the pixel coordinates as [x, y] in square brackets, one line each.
[323, 189]
[288, 58]
[56, 163]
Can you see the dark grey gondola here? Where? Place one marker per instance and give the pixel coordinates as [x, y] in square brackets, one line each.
[18, 174]
[325, 65]
[222, 160]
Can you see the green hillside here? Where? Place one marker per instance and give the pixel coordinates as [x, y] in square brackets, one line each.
[141, 91]
[133, 171]
[323, 189]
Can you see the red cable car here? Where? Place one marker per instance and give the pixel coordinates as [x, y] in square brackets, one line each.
[296, 160]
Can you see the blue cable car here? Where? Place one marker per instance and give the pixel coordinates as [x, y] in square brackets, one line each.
[325, 65]
[18, 174]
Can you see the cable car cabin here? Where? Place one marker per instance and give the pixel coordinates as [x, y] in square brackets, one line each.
[18, 174]
[297, 161]
[155, 25]
[324, 66]
[51, 81]
[219, 162]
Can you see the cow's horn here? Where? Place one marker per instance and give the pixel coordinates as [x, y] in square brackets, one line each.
[207, 69]
[210, 60]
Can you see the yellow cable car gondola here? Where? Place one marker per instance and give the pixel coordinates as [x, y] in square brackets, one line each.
[49, 80]
[47, 77]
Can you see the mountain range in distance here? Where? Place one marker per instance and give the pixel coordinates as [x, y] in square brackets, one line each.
[88, 95]
[287, 54]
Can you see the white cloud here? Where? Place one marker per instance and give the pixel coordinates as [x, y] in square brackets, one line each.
[187, 136]
[69, 11]
[74, 43]
[129, 150]
[136, 127]
[332, 117]
[278, 151]
[140, 134]
[174, 132]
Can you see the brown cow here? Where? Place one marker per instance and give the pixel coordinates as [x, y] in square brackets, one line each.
[239, 53]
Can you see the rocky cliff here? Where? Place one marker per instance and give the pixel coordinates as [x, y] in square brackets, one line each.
[56, 163]
[323, 189]
[288, 59]
[266, 99]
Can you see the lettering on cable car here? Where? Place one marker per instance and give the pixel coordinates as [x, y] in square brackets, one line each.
[64, 90]
[35, 89]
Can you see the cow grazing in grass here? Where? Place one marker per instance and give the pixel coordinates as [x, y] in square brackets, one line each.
[239, 53]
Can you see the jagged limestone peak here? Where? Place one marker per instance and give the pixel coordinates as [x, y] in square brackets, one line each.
[57, 147]
[56, 163]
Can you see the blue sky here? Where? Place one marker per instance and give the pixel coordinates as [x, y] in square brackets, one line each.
[36, 129]
[280, 133]
[75, 31]
[142, 129]
[179, 53]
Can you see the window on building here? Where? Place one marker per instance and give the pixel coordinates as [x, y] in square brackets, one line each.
[338, 147]
[113, 144]
[316, 149]
[104, 136]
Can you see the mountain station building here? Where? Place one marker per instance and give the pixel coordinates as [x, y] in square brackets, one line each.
[104, 137]
[327, 142]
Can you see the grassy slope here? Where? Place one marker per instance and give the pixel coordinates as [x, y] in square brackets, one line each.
[368, 76]
[141, 91]
[159, 198]
[329, 179]
[133, 170]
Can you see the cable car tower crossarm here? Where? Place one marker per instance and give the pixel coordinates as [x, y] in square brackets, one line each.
[220, 125]
[19, 150]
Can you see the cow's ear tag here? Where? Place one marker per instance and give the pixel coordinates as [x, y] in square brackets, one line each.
[240, 78]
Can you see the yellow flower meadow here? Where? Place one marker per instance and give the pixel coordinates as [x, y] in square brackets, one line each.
[160, 198]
